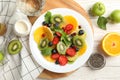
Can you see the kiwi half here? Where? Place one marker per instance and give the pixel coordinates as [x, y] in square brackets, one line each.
[78, 41]
[14, 47]
[61, 48]
[57, 18]
[43, 44]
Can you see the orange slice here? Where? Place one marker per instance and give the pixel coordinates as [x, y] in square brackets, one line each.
[82, 50]
[41, 32]
[70, 20]
[111, 44]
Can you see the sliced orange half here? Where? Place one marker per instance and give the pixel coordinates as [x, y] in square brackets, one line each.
[111, 44]
[70, 20]
[41, 32]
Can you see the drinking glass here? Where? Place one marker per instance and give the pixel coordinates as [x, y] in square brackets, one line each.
[30, 7]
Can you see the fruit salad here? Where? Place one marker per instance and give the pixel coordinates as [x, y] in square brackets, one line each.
[60, 39]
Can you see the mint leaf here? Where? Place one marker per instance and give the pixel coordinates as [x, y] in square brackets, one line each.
[102, 21]
[48, 17]
[47, 51]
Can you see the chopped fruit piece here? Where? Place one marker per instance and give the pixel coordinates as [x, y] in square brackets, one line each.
[73, 34]
[41, 32]
[50, 44]
[58, 34]
[71, 52]
[70, 20]
[55, 56]
[81, 32]
[43, 35]
[54, 51]
[56, 62]
[63, 60]
[79, 26]
[49, 25]
[69, 27]
[44, 23]
[111, 44]
[55, 40]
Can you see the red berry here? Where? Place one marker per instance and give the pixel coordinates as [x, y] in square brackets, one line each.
[55, 56]
[58, 34]
[43, 35]
[68, 32]
[69, 27]
[55, 40]
[63, 60]
[71, 52]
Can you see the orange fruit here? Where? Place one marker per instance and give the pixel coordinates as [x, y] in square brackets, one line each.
[70, 20]
[82, 50]
[111, 44]
[41, 32]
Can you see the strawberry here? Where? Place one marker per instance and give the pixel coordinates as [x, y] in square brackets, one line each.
[71, 52]
[55, 56]
[69, 27]
[55, 40]
[63, 60]
[58, 34]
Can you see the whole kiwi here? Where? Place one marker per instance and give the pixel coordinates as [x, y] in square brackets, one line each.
[3, 29]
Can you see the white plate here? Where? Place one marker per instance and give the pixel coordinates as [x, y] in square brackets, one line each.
[69, 67]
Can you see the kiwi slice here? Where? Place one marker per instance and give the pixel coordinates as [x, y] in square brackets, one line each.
[43, 44]
[61, 48]
[3, 29]
[57, 18]
[71, 59]
[14, 47]
[78, 41]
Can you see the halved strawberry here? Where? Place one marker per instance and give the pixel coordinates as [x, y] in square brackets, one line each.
[71, 51]
[68, 27]
[63, 60]
[55, 40]
[55, 56]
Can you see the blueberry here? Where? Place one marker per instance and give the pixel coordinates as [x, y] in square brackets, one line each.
[72, 45]
[56, 62]
[77, 49]
[54, 51]
[56, 25]
[81, 32]
[50, 44]
[49, 25]
[44, 23]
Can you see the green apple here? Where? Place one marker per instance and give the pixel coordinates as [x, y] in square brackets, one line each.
[115, 16]
[1, 56]
[98, 9]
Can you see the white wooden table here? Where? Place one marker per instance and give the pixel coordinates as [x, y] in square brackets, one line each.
[18, 67]
[112, 69]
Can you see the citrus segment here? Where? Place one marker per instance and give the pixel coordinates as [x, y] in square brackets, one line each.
[41, 32]
[37, 34]
[82, 50]
[48, 58]
[111, 44]
[70, 20]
